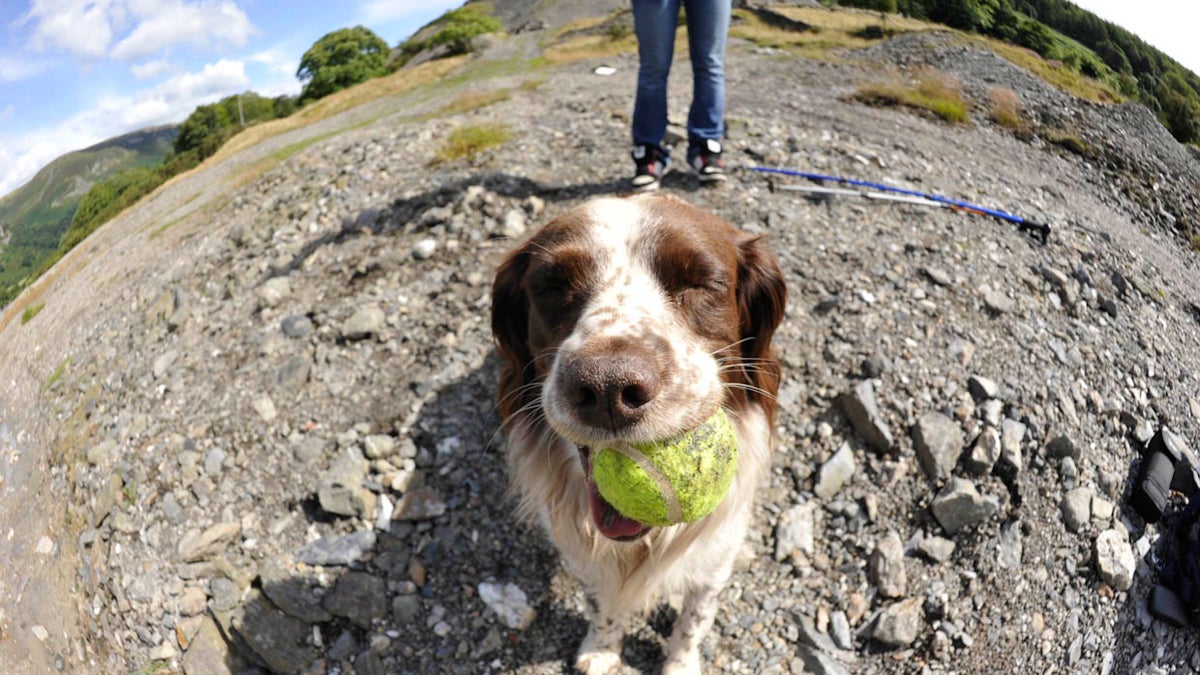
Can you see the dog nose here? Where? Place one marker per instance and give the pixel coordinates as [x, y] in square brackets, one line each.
[611, 391]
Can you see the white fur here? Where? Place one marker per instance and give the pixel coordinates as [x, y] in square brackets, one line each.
[694, 559]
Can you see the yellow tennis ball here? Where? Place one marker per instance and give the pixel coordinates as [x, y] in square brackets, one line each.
[671, 481]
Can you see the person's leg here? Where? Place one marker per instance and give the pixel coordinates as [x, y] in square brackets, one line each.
[654, 22]
[708, 26]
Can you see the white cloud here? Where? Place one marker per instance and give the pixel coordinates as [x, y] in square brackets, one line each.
[129, 30]
[150, 69]
[162, 25]
[17, 69]
[169, 101]
[81, 27]
[7, 112]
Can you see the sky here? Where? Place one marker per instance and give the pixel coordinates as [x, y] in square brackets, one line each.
[76, 72]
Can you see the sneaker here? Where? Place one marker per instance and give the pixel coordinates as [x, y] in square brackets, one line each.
[651, 164]
[706, 161]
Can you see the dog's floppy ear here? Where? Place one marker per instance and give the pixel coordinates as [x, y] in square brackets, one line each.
[510, 328]
[762, 299]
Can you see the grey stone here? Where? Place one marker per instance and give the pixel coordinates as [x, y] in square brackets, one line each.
[1011, 548]
[379, 446]
[213, 462]
[839, 629]
[959, 505]
[338, 550]
[1061, 446]
[509, 602]
[794, 533]
[163, 363]
[992, 411]
[406, 609]
[1114, 559]
[340, 489]
[208, 652]
[225, 594]
[273, 291]
[1012, 433]
[886, 567]
[102, 454]
[937, 549]
[423, 503]
[294, 372]
[998, 301]
[860, 407]
[197, 545]
[514, 224]
[366, 321]
[835, 472]
[280, 641]
[292, 592]
[296, 326]
[310, 449]
[938, 441]
[359, 597]
[985, 453]
[900, 623]
[982, 388]
[1077, 508]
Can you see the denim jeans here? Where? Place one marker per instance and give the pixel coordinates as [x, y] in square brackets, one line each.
[707, 27]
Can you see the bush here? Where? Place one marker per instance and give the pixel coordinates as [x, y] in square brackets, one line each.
[456, 29]
[339, 60]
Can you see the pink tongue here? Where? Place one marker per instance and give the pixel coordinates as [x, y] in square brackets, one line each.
[610, 523]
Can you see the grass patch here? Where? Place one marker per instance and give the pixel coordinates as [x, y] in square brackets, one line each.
[596, 47]
[57, 374]
[1067, 140]
[466, 142]
[395, 84]
[31, 311]
[830, 30]
[1005, 108]
[931, 91]
[1054, 73]
[472, 100]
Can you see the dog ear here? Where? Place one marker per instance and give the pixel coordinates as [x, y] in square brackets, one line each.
[762, 300]
[510, 328]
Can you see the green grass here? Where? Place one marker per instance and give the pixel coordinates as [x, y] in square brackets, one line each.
[57, 374]
[1005, 108]
[31, 311]
[1067, 140]
[469, 101]
[932, 91]
[466, 142]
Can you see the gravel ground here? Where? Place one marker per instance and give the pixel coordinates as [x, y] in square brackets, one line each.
[266, 410]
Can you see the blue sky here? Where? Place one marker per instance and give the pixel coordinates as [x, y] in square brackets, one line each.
[75, 72]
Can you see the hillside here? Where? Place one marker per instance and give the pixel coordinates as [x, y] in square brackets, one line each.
[36, 214]
[249, 423]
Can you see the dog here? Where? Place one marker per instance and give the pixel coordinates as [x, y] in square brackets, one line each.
[634, 319]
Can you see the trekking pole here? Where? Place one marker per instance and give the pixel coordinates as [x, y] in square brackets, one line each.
[874, 196]
[1040, 231]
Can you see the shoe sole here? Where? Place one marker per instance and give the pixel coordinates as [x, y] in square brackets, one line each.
[711, 177]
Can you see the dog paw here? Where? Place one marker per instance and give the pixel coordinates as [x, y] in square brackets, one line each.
[683, 663]
[598, 663]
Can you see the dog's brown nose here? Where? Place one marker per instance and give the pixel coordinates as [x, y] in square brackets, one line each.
[611, 390]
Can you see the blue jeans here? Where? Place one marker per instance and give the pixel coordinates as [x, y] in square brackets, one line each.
[707, 27]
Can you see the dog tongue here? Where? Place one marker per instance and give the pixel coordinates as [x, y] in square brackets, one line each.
[610, 523]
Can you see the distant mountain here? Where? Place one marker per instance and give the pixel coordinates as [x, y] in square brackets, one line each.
[34, 216]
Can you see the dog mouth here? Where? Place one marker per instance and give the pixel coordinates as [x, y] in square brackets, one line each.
[608, 521]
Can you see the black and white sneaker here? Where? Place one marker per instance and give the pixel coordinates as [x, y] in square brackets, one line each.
[651, 163]
[705, 159]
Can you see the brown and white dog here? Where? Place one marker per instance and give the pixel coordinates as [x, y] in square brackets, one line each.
[634, 320]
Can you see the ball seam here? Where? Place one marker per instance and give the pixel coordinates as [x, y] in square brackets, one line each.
[665, 488]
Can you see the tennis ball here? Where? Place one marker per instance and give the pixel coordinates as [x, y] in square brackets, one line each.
[676, 480]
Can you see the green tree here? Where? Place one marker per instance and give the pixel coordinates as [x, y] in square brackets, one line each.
[341, 59]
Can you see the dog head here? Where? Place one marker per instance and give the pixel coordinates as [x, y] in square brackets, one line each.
[634, 320]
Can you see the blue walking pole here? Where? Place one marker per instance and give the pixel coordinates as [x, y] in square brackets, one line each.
[1039, 230]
